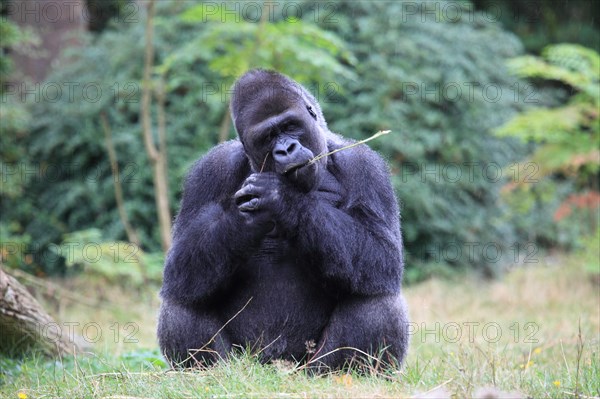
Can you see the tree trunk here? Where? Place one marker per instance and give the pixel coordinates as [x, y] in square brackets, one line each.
[157, 156]
[24, 324]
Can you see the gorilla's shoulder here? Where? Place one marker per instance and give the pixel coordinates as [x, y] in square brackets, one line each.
[225, 163]
[365, 175]
[227, 157]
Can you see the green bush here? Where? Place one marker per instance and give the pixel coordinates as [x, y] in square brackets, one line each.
[566, 141]
[68, 185]
[425, 77]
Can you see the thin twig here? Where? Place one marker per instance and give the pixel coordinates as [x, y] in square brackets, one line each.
[314, 360]
[323, 155]
[373, 137]
[217, 333]
[579, 353]
[562, 350]
[264, 162]
[271, 343]
[128, 374]
[528, 357]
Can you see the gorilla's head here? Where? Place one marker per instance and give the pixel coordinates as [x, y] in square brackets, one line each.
[280, 125]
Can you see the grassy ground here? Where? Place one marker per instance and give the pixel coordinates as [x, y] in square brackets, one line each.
[533, 333]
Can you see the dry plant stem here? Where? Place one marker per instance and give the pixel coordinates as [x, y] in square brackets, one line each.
[264, 162]
[128, 374]
[491, 361]
[562, 350]
[373, 137]
[528, 357]
[217, 333]
[315, 159]
[267, 346]
[579, 354]
[313, 360]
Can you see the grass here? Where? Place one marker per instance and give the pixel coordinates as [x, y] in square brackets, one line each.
[533, 333]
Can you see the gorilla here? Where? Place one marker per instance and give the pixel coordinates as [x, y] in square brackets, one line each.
[292, 259]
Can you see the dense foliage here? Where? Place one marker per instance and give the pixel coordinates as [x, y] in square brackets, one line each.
[14, 121]
[440, 85]
[542, 22]
[438, 80]
[566, 138]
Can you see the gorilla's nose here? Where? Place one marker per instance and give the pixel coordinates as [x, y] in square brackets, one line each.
[285, 150]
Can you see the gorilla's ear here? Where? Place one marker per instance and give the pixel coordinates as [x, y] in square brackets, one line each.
[311, 112]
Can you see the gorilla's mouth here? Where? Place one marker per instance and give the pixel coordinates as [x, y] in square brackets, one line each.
[295, 167]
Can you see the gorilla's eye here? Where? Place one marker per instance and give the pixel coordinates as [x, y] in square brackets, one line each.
[311, 112]
[289, 126]
[270, 136]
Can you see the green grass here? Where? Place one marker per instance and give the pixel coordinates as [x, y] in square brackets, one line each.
[534, 332]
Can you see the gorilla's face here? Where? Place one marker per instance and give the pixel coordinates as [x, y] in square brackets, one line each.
[280, 133]
[284, 143]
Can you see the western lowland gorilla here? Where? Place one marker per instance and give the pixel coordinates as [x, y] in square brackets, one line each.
[296, 258]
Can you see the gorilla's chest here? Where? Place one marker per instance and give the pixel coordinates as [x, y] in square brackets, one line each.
[277, 267]
[281, 302]
[273, 248]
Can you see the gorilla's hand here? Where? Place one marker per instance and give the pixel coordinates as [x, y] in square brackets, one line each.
[260, 198]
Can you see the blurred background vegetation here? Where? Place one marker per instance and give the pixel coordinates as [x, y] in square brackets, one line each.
[493, 108]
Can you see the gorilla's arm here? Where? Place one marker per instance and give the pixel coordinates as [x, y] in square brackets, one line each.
[358, 245]
[209, 236]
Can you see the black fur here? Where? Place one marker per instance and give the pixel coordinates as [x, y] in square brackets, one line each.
[276, 260]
